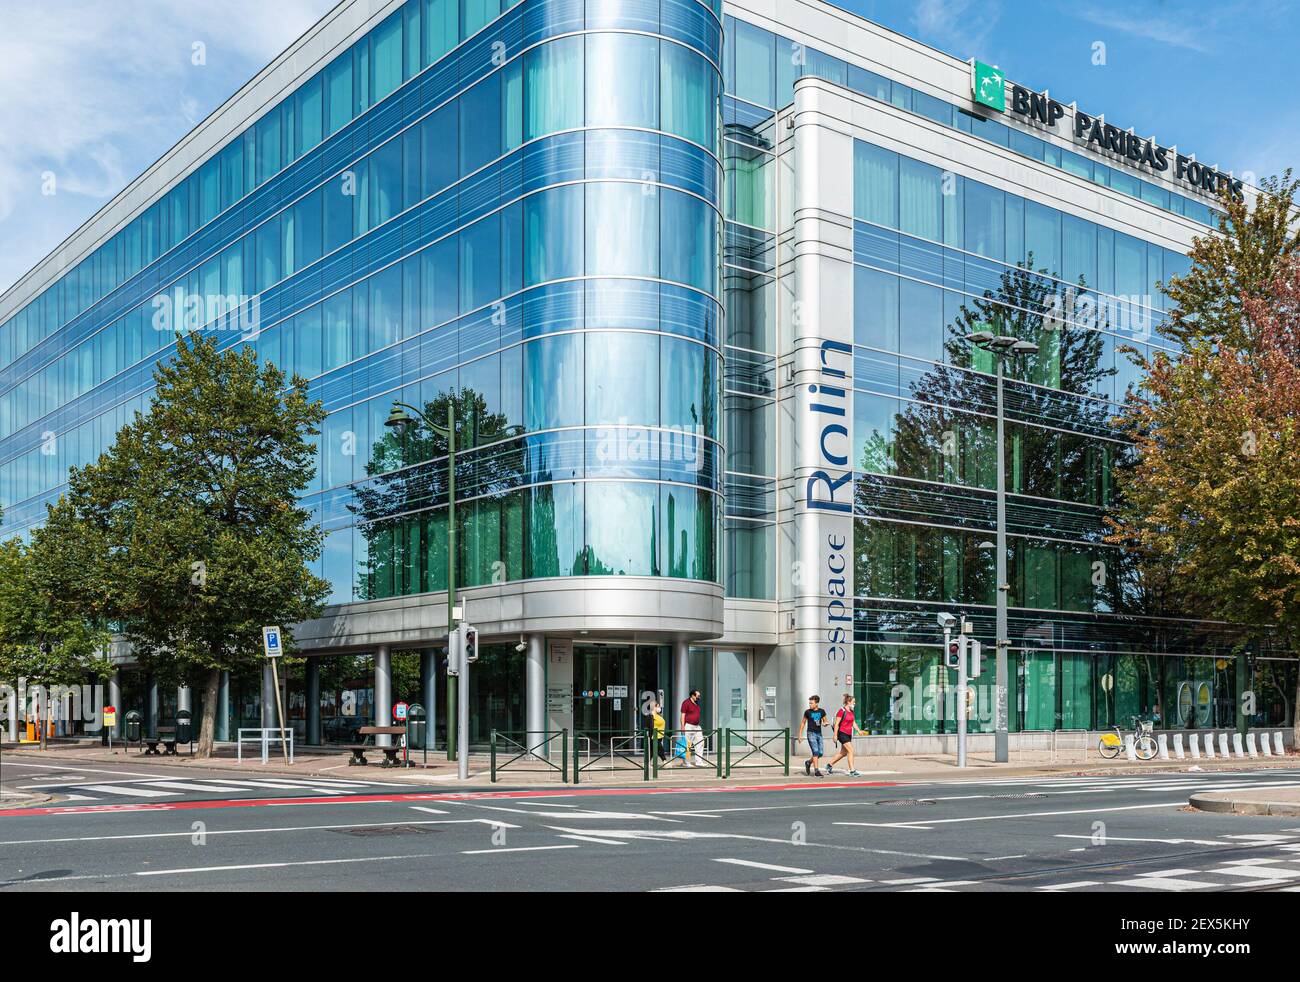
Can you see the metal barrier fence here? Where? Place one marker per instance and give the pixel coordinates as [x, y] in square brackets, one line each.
[509, 749]
[759, 750]
[621, 753]
[691, 748]
[264, 736]
[1061, 740]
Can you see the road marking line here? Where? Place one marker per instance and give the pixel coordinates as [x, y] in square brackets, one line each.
[187, 786]
[1076, 885]
[998, 818]
[1174, 886]
[592, 838]
[822, 880]
[130, 792]
[766, 866]
[1166, 842]
[698, 888]
[488, 852]
[908, 881]
[279, 865]
[187, 833]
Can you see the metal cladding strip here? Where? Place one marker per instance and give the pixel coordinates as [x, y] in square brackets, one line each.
[419, 796]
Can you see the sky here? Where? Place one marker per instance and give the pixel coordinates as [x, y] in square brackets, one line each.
[1210, 77]
[93, 92]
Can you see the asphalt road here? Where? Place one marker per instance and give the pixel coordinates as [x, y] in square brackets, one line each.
[124, 828]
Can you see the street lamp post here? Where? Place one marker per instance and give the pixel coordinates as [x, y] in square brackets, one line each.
[400, 420]
[1001, 346]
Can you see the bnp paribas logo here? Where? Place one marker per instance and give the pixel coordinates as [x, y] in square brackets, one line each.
[989, 86]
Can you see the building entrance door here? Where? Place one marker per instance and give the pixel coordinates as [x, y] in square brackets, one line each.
[733, 689]
[604, 692]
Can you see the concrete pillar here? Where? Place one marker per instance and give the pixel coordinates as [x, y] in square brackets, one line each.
[150, 705]
[429, 691]
[115, 693]
[383, 693]
[269, 720]
[12, 710]
[681, 684]
[313, 702]
[535, 689]
[221, 729]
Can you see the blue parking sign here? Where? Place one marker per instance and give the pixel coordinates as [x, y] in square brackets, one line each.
[271, 642]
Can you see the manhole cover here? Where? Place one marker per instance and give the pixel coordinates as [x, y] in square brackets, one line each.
[382, 830]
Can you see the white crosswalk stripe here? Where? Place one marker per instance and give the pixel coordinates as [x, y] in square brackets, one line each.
[157, 788]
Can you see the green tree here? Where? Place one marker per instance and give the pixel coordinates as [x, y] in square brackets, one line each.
[1238, 264]
[192, 522]
[1211, 496]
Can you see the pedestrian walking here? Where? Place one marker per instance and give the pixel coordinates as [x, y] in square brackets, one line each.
[657, 727]
[845, 727]
[691, 729]
[812, 721]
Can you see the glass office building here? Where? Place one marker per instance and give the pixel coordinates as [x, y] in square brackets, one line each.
[620, 238]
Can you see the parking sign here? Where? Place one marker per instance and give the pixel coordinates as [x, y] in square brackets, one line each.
[271, 642]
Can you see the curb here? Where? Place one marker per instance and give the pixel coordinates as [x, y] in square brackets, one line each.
[1229, 806]
[33, 801]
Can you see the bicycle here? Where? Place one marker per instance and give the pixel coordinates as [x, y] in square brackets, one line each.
[1144, 744]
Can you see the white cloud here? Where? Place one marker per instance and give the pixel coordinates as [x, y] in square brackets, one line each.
[95, 92]
[961, 27]
[1182, 33]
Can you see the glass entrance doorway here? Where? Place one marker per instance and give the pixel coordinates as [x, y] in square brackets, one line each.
[604, 689]
[733, 689]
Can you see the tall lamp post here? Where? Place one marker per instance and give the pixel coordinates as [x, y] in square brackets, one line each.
[1001, 347]
[401, 420]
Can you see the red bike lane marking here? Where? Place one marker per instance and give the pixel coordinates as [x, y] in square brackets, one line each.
[425, 796]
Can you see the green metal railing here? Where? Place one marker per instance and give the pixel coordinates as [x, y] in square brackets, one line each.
[684, 747]
[529, 752]
[609, 752]
[757, 752]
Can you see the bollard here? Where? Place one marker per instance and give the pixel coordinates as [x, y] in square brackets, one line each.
[1237, 749]
[1128, 747]
[1209, 745]
[1264, 748]
[1178, 746]
[1194, 743]
[1162, 742]
[1250, 745]
[1279, 748]
[1223, 746]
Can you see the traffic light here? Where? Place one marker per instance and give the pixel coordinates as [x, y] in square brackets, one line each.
[956, 649]
[470, 641]
[454, 647]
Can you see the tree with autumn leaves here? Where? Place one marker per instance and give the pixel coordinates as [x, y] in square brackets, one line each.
[1210, 496]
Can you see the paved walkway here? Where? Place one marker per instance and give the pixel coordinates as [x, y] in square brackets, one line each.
[884, 769]
[1263, 801]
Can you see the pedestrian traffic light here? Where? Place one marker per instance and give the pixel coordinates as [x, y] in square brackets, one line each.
[956, 648]
[470, 650]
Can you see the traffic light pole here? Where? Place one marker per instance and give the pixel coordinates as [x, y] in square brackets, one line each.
[452, 726]
[961, 699]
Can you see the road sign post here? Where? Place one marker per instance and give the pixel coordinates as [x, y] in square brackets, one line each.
[110, 721]
[272, 645]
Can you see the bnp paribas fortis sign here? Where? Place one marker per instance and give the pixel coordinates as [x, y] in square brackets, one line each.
[1037, 109]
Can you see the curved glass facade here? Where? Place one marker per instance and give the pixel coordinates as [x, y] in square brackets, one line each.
[471, 206]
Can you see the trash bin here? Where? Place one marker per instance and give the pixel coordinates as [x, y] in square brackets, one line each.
[133, 726]
[416, 726]
[184, 726]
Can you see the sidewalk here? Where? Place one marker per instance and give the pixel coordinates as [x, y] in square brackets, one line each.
[873, 769]
[1265, 801]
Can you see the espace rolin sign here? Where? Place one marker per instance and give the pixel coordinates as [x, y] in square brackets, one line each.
[1101, 136]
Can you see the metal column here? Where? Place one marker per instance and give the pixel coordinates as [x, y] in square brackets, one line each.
[114, 697]
[150, 706]
[535, 689]
[429, 693]
[221, 731]
[1001, 740]
[12, 709]
[312, 737]
[681, 683]
[268, 698]
[383, 693]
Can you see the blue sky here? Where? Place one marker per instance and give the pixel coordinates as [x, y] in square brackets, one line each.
[94, 92]
[1210, 77]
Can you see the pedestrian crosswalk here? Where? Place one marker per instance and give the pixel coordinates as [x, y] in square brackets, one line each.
[148, 789]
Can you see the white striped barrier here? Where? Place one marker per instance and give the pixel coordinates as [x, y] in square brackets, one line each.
[1279, 748]
[1194, 744]
[1128, 747]
[1209, 745]
[1178, 746]
[1223, 746]
[1251, 750]
[1163, 743]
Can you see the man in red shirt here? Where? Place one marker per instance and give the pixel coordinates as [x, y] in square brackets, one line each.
[691, 728]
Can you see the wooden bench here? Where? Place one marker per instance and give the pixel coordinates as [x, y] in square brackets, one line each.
[167, 737]
[390, 753]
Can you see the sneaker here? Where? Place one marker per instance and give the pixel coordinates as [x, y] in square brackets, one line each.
[830, 769]
[854, 774]
[807, 766]
[818, 773]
